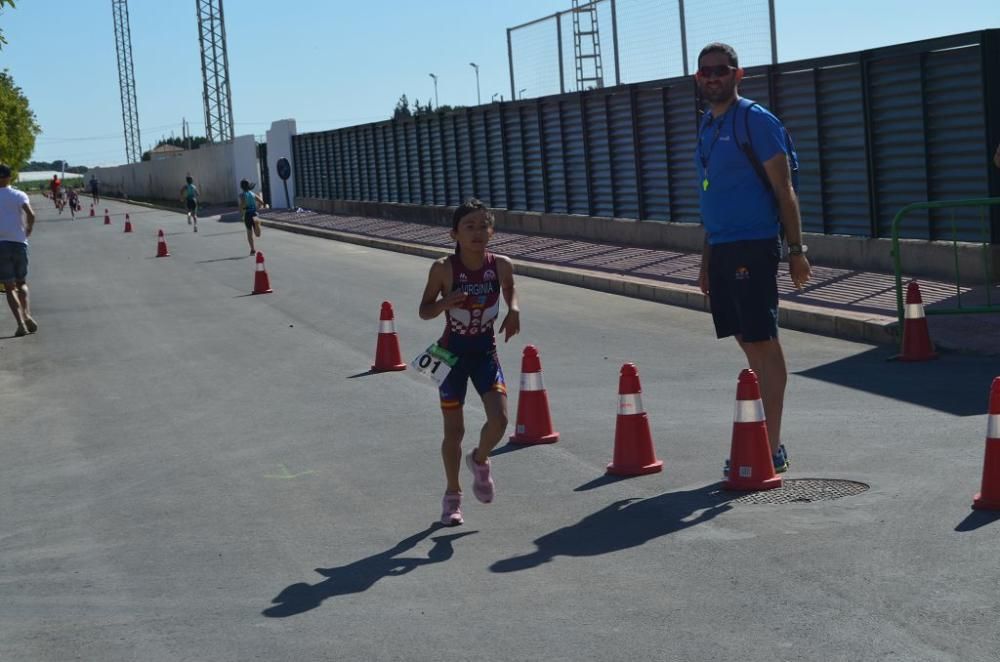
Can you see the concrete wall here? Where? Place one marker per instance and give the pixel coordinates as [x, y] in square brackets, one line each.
[217, 170]
[279, 144]
[932, 259]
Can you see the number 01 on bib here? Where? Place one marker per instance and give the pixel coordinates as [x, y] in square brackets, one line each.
[435, 363]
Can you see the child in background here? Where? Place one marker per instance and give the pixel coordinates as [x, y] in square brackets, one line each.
[249, 203]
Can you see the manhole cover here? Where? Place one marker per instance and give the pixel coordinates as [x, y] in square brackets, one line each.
[804, 490]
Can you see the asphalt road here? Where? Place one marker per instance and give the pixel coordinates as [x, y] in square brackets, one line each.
[192, 473]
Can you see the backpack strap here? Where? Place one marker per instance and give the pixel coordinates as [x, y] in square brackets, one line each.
[746, 146]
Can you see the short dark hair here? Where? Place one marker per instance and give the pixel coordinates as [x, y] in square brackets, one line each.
[247, 185]
[5, 171]
[719, 47]
[189, 179]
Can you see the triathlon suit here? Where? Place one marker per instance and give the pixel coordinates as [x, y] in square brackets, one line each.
[468, 333]
[191, 197]
[249, 208]
[56, 187]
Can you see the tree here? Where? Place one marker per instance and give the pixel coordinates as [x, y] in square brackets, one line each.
[19, 127]
[402, 109]
[191, 142]
[3, 3]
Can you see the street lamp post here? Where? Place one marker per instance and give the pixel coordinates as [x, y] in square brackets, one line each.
[436, 104]
[495, 95]
[475, 66]
[520, 94]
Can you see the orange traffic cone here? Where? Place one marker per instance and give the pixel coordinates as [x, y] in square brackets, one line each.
[917, 345]
[634, 454]
[107, 218]
[387, 354]
[128, 224]
[989, 497]
[750, 463]
[534, 425]
[161, 246]
[261, 283]
[92, 209]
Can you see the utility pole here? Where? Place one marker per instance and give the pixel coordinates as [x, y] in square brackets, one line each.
[476, 67]
[436, 104]
[126, 81]
[215, 71]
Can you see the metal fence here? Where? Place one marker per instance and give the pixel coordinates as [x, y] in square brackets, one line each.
[636, 40]
[874, 130]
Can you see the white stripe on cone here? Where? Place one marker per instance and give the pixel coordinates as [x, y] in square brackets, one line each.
[260, 266]
[993, 427]
[749, 411]
[532, 381]
[630, 403]
[386, 326]
[914, 311]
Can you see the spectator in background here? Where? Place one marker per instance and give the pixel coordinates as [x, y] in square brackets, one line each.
[95, 190]
[14, 232]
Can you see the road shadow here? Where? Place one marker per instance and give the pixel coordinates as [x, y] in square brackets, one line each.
[366, 373]
[956, 384]
[219, 234]
[977, 519]
[509, 448]
[231, 217]
[624, 524]
[601, 481]
[359, 576]
[223, 259]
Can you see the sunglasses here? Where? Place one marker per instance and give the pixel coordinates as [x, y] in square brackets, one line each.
[718, 71]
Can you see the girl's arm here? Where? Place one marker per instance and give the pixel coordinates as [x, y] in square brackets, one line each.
[430, 305]
[511, 325]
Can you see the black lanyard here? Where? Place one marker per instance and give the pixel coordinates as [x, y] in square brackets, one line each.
[711, 148]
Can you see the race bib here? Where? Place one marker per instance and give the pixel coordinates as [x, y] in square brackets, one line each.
[435, 363]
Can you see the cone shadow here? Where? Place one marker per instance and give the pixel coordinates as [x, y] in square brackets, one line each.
[624, 524]
[601, 481]
[956, 384]
[366, 373]
[508, 448]
[359, 576]
[977, 519]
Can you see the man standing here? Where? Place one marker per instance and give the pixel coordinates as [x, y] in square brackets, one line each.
[95, 190]
[747, 199]
[14, 250]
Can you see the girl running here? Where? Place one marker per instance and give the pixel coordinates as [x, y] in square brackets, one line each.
[248, 206]
[466, 287]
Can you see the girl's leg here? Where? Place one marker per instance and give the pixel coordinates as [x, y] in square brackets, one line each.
[451, 447]
[250, 239]
[495, 404]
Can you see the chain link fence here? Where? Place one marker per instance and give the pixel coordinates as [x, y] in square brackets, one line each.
[613, 42]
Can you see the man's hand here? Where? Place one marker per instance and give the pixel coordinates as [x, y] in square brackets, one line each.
[703, 280]
[799, 270]
[511, 324]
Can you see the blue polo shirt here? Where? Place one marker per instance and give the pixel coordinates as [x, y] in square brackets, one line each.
[736, 206]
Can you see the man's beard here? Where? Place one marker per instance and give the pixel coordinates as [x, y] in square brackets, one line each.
[722, 93]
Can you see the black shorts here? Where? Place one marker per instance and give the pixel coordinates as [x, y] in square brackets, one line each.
[483, 368]
[248, 217]
[192, 204]
[743, 285]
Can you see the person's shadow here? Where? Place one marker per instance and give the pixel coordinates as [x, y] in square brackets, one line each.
[361, 575]
[623, 524]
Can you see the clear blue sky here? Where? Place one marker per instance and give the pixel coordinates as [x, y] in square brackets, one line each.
[333, 63]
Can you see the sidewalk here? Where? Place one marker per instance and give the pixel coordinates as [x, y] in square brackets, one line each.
[852, 305]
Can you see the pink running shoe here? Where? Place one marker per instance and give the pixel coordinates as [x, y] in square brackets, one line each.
[451, 509]
[482, 485]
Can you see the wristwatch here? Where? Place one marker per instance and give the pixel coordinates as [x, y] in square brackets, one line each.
[797, 249]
